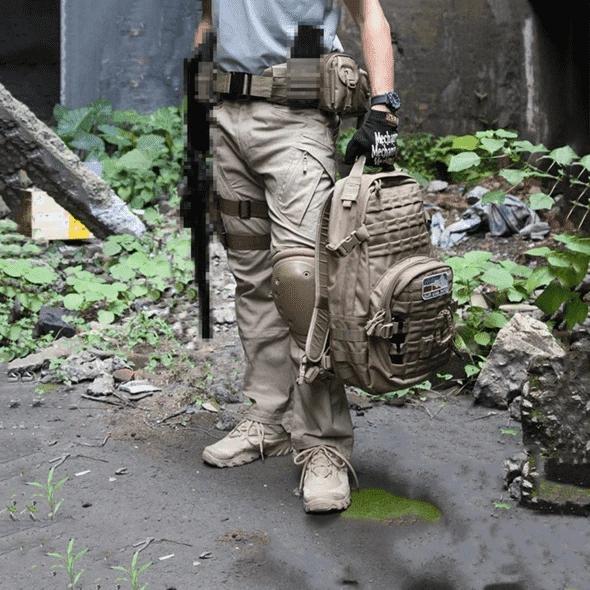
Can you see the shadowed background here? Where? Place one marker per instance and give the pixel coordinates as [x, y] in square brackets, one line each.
[461, 64]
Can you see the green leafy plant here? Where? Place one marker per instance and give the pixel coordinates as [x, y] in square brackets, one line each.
[166, 359]
[141, 155]
[133, 573]
[505, 281]
[509, 431]
[143, 328]
[11, 509]
[49, 491]
[69, 562]
[24, 289]
[563, 273]
[500, 505]
[502, 152]
[408, 392]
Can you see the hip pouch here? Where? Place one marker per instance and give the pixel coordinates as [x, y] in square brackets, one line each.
[334, 83]
[383, 315]
[344, 86]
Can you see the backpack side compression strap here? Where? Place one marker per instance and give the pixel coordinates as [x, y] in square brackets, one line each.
[317, 338]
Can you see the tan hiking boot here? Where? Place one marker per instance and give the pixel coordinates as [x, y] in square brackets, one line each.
[248, 441]
[324, 479]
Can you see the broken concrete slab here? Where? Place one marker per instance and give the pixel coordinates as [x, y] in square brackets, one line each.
[556, 414]
[505, 372]
[86, 366]
[511, 309]
[103, 385]
[541, 490]
[60, 348]
[139, 386]
[28, 144]
[556, 433]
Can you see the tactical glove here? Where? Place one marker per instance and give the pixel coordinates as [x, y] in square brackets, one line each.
[376, 139]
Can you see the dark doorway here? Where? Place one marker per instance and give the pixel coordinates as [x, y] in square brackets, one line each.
[564, 57]
[30, 53]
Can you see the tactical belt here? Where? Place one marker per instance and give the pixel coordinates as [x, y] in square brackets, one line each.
[244, 209]
[333, 83]
[243, 86]
[281, 89]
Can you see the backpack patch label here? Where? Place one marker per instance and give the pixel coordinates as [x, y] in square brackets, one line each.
[434, 286]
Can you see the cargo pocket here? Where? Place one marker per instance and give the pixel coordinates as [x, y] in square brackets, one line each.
[299, 185]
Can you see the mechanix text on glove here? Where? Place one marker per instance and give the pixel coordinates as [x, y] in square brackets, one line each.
[376, 139]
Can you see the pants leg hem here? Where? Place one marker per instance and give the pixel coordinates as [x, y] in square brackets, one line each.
[343, 446]
[274, 419]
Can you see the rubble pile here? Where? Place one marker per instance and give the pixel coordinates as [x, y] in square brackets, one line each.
[554, 474]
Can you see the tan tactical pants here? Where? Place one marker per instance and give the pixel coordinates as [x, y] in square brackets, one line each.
[268, 153]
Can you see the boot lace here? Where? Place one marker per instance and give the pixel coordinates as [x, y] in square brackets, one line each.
[253, 432]
[322, 461]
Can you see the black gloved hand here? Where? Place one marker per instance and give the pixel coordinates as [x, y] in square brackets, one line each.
[376, 139]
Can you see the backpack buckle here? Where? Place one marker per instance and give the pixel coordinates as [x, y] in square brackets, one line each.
[345, 246]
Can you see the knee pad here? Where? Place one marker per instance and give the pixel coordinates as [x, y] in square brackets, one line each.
[293, 289]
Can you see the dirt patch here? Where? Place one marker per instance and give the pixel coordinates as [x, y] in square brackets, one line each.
[242, 537]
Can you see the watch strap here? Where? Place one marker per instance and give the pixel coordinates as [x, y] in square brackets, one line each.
[379, 99]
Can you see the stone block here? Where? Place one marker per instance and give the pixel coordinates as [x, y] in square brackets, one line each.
[505, 372]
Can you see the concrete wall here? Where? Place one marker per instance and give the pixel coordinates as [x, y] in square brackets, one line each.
[127, 51]
[29, 52]
[458, 63]
[461, 64]
[466, 64]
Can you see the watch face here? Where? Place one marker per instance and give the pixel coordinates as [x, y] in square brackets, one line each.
[393, 101]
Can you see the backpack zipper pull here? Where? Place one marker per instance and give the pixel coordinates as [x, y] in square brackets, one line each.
[304, 162]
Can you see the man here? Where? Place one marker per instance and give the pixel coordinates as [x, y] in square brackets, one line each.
[274, 167]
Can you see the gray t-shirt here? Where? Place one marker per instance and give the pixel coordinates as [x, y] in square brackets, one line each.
[255, 34]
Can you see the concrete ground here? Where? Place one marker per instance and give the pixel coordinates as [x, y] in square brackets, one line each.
[245, 528]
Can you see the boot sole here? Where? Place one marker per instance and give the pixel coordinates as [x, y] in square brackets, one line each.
[326, 505]
[211, 459]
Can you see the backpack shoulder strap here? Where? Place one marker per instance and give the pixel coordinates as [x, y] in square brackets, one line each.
[317, 338]
[347, 193]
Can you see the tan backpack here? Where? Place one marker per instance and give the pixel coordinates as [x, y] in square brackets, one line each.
[383, 315]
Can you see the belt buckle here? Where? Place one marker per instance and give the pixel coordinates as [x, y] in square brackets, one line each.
[240, 85]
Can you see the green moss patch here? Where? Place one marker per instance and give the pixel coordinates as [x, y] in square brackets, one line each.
[378, 504]
[563, 492]
[44, 388]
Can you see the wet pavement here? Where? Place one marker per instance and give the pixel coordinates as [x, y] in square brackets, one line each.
[245, 528]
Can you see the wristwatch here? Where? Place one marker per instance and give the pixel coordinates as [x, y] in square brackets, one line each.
[391, 100]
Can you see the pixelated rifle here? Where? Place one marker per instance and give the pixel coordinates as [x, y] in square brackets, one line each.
[196, 192]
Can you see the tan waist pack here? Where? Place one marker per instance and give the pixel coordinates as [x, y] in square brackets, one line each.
[333, 83]
[344, 87]
[383, 316]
